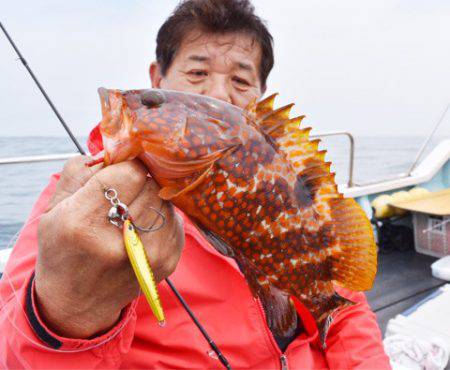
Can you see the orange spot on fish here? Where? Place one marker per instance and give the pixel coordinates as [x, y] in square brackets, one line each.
[228, 204]
[219, 178]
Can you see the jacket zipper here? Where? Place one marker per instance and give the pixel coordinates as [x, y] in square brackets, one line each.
[283, 356]
[283, 361]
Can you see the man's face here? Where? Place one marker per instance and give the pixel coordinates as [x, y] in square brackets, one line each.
[225, 67]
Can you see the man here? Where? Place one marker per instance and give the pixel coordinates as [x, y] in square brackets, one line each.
[74, 301]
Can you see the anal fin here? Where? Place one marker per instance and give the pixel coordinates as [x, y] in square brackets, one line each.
[217, 242]
[334, 304]
[281, 316]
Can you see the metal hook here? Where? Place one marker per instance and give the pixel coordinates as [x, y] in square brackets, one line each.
[152, 227]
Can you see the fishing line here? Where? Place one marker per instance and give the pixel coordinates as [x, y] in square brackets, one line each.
[186, 307]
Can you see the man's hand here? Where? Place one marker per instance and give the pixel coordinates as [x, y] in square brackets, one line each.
[83, 276]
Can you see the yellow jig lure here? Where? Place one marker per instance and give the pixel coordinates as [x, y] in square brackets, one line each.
[139, 262]
[118, 215]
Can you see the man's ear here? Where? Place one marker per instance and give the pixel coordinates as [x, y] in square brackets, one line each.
[263, 90]
[155, 75]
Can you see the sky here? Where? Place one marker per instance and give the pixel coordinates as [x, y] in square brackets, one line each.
[370, 67]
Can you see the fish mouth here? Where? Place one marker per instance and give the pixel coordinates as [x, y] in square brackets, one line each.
[112, 106]
[104, 99]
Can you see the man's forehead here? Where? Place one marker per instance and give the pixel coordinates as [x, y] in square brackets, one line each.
[200, 46]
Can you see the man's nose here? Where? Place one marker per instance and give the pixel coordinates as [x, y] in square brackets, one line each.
[219, 88]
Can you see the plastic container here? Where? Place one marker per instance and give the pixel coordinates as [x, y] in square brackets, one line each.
[432, 234]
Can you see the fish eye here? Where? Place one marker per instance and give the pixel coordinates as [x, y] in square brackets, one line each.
[152, 98]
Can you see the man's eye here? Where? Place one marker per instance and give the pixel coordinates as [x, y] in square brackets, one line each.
[241, 81]
[198, 73]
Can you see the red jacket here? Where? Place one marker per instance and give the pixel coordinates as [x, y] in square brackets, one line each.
[216, 291]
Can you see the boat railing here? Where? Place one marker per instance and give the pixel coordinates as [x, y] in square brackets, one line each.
[351, 139]
[427, 140]
[37, 158]
[65, 156]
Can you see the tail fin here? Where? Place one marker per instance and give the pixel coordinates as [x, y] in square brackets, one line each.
[355, 262]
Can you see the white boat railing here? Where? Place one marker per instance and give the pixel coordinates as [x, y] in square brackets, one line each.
[427, 140]
[65, 156]
[351, 153]
[425, 171]
[37, 158]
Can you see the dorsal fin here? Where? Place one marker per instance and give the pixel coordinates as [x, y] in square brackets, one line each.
[251, 107]
[303, 153]
[274, 119]
[265, 105]
[279, 114]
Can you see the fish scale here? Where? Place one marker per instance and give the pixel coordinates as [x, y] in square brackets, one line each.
[257, 187]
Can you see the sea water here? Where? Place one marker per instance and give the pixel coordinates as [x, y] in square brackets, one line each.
[376, 158]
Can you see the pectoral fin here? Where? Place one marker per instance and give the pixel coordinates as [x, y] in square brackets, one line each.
[186, 177]
[180, 188]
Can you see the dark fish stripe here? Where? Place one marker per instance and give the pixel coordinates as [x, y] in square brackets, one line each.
[304, 191]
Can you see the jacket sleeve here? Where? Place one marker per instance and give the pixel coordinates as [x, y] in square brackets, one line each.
[354, 340]
[25, 341]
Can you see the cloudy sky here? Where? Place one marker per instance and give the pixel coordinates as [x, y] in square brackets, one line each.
[373, 67]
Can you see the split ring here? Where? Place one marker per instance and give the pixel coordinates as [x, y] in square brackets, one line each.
[111, 194]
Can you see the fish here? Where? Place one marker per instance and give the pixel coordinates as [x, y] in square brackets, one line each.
[260, 190]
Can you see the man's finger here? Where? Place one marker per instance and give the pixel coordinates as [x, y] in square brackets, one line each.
[126, 178]
[74, 175]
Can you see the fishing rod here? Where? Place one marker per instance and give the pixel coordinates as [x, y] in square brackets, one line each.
[211, 343]
[24, 62]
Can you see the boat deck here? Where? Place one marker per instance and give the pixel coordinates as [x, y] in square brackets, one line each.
[404, 278]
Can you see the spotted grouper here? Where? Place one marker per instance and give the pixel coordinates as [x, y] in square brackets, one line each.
[258, 187]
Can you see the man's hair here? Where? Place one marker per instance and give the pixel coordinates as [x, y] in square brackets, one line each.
[215, 16]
